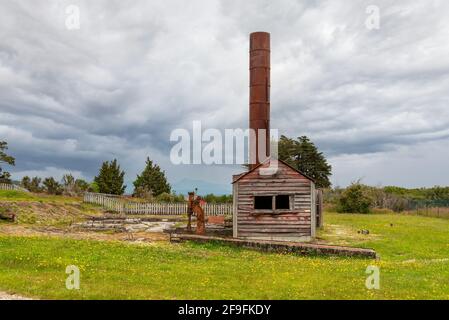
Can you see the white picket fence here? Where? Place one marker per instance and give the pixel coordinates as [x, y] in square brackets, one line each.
[122, 205]
[6, 186]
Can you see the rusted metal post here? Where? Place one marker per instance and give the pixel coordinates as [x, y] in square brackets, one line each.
[200, 217]
[259, 95]
[190, 210]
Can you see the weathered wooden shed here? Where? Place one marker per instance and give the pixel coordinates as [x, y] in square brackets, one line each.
[277, 206]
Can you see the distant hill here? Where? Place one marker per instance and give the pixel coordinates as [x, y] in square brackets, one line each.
[204, 187]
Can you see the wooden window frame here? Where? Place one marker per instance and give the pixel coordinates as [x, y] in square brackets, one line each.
[274, 211]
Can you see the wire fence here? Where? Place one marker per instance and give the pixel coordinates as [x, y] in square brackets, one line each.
[431, 208]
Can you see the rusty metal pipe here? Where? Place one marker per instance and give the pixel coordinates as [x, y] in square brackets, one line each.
[259, 94]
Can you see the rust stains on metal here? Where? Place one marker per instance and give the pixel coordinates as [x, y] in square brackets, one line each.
[259, 93]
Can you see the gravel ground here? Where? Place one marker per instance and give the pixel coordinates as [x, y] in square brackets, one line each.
[6, 296]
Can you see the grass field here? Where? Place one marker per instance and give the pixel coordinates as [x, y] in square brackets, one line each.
[414, 264]
[13, 195]
[45, 210]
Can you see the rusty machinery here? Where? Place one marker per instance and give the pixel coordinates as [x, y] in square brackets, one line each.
[194, 207]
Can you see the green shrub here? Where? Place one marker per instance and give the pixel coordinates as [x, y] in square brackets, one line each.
[211, 198]
[355, 199]
[93, 187]
[143, 193]
[169, 197]
[52, 186]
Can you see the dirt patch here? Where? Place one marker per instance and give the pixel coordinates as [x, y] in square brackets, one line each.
[59, 219]
[343, 235]
[27, 231]
[427, 261]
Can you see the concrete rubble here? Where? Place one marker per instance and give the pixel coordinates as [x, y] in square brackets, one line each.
[125, 225]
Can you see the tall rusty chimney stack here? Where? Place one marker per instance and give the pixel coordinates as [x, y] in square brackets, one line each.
[259, 94]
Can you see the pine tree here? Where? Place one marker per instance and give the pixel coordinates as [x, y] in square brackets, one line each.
[151, 180]
[5, 176]
[303, 155]
[110, 179]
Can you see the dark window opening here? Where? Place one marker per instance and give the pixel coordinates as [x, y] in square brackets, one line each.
[282, 202]
[263, 202]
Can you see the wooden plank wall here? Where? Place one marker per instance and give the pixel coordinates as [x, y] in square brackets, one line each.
[293, 224]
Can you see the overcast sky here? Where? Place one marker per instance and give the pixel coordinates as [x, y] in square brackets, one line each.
[375, 101]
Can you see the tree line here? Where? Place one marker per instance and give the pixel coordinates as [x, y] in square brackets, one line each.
[361, 198]
[67, 186]
[5, 177]
[152, 184]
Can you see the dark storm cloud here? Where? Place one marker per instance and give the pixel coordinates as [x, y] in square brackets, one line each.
[136, 70]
